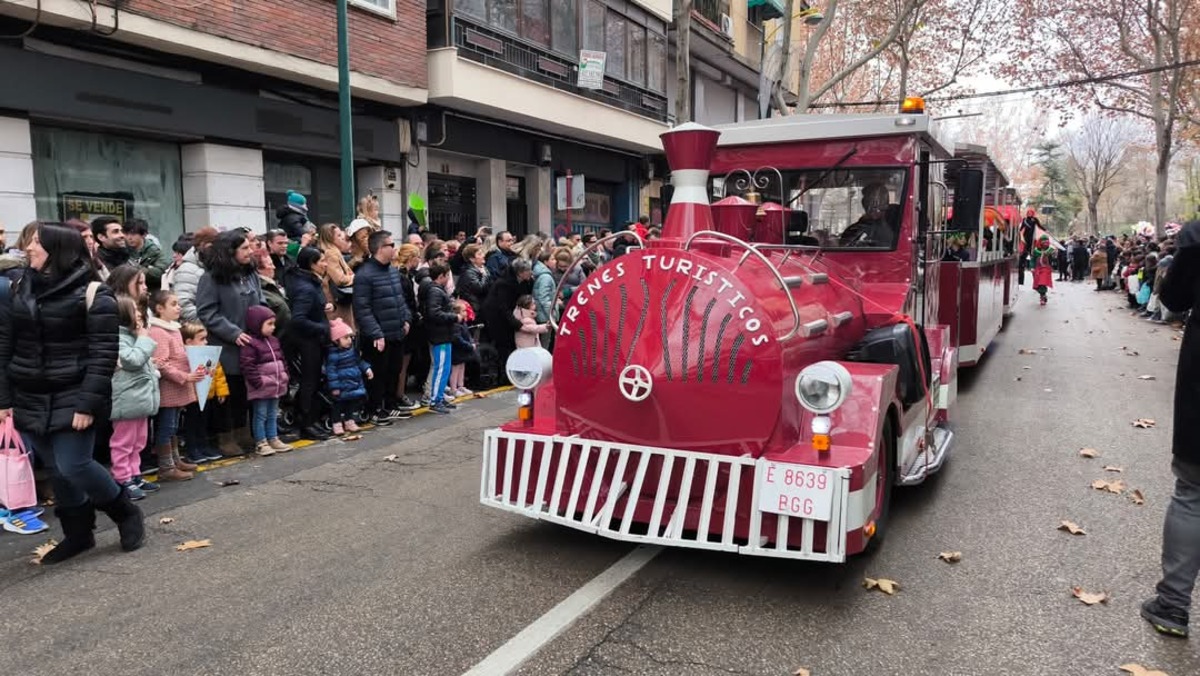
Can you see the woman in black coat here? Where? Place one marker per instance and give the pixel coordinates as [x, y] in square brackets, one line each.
[498, 308]
[58, 345]
[308, 334]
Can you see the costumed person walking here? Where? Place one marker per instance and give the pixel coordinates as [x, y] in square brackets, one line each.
[1168, 610]
[1043, 271]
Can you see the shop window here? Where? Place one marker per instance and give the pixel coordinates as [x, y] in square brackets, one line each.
[564, 22]
[82, 175]
[656, 78]
[614, 44]
[319, 182]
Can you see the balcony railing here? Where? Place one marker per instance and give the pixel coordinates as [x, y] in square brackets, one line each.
[711, 11]
[753, 50]
[508, 53]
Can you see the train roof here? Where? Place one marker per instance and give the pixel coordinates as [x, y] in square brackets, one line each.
[977, 157]
[827, 127]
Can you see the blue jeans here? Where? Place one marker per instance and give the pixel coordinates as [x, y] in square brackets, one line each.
[1181, 539]
[264, 419]
[75, 475]
[166, 424]
[440, 365]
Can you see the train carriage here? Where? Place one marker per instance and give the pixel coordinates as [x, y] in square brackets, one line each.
[761, 377]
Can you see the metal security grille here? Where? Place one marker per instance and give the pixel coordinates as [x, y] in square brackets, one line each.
[565, 480]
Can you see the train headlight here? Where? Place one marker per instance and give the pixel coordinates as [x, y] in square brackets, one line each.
[529, 367]
[823, 386]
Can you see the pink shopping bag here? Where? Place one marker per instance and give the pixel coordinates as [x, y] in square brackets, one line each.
[16, 471]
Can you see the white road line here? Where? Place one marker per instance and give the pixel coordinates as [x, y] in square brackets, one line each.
[510, 656]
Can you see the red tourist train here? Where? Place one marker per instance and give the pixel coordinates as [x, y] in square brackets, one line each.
[761, 377]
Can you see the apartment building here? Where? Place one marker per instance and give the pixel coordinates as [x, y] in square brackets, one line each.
[199, 112]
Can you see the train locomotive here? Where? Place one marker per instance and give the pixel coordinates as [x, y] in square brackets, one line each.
[761, 377]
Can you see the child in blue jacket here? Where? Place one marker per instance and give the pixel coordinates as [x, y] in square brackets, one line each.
[344, 370]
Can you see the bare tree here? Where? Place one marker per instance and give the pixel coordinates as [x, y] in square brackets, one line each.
[1095, 157]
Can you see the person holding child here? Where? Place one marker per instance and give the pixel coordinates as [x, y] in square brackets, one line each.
[135, 396]
[526, 315]
[344, 371]
[266, 379]
[177, 387]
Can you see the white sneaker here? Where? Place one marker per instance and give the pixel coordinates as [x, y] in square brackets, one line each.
[263, 449]
[463, 392]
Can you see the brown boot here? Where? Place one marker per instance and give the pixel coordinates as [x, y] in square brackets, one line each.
[228, 446]
[167, 471]
[180, 463]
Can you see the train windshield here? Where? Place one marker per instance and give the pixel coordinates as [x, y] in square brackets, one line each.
[846, 208]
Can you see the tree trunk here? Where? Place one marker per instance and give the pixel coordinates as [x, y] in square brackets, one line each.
[683, 61]
[1162, 177]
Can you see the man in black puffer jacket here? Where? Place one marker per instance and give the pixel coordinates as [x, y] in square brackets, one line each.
[58, 352]
[383, 321]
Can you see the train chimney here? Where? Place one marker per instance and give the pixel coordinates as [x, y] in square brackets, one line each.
[689, 148]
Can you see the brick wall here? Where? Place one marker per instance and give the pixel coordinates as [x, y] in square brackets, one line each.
[391, 49]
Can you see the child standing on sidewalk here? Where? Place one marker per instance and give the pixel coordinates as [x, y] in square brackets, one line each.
[266, 377]
[440, 319]
[462, 350]
[196, 445]
[177, 387]
[526, 313]
[344, 371]
[134, 395]
[216, 419]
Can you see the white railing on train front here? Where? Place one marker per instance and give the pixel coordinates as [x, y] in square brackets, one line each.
[550, 502]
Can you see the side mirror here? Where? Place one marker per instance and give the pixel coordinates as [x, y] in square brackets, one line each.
[968, 201]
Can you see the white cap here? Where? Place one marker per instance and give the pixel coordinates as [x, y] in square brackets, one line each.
[356, 225]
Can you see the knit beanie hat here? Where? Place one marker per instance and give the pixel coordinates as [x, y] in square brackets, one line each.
[295, 199]
[339, 328]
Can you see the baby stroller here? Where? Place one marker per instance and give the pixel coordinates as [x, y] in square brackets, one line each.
[288, 412]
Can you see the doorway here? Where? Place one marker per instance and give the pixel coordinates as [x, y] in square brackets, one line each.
[451, 205]
[516, 213]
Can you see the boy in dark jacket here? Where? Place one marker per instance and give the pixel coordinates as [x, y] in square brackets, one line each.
[344, 371]
[440, 319]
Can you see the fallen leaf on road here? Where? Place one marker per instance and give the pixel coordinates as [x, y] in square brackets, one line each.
[801, 671]
[193, 544]
[1017, 379]
[1113, 468]
[352, 437]
[1175, 338]
[950, 557]
[1147, 378]
[1139, 670]
[1137, 497]
[1110, 486]
[1026, 351]
[42, 550]
[1090, 598]
[1144, 423]
[1132, 353]
[1049, 390]
[884, 585]
[1088, 452]
[391, 458]
[228, 482]
[1026, 368]
[167, 520]
[1072, 528]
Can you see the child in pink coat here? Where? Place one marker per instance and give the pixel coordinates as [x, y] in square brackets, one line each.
[526, 313]
[177, 386]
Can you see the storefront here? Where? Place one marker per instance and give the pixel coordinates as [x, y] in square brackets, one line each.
[81, 174]
[504, 176]
[114, 136]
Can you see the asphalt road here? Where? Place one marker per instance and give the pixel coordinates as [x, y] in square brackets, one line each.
[333, 560]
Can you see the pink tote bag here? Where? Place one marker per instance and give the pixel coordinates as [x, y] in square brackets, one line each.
[16, 471]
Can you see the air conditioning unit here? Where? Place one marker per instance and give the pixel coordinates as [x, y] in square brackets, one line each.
[727, 25]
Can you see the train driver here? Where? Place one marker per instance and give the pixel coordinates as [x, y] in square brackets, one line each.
[874, 228]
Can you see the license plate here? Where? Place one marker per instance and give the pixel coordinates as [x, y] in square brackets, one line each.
[797, 490]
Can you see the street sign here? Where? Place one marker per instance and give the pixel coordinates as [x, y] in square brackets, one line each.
[591, 69]
[578, 198]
